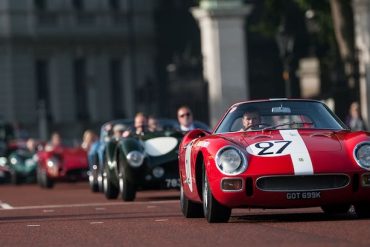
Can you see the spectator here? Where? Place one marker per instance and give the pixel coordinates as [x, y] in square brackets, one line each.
[185, 118]
[88, 138]
[354, 119]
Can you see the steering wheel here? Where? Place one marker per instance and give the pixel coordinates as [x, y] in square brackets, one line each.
[258, 126]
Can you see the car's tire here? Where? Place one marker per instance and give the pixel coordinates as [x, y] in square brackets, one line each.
[214, 212]
[100, 182]
[46, 182]
[93, 182]
[14, 178]
[38, 177]
[336, 209]
[93, 179]
[362, 210]
[110, 189]
[126, 188]
[188, 208]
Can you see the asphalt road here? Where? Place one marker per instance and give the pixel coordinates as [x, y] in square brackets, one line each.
[71, 215]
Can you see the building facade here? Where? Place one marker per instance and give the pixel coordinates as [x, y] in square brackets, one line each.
[74, 63]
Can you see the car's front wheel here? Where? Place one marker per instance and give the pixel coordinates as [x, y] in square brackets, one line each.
[188, 208]
[126, 188]
[14, 178]
[362, 210]
[110, 189]
[43, 179]
[214, 212]
[93, 179]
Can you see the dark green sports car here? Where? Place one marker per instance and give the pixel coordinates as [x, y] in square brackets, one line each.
[147, 161]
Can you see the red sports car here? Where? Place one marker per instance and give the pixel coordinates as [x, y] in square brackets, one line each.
[61, 163]
[275, 154]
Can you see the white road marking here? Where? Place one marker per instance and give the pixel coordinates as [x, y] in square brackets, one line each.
[96, 222]
[99, 209]
[33, 225]
[88, 205]
[161, 220]
[151, 206]
[5, 206]
[48, 210]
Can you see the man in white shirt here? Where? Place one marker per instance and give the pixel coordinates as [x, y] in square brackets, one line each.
[185, 118]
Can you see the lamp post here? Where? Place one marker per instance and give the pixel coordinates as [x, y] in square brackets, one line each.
[285, 43]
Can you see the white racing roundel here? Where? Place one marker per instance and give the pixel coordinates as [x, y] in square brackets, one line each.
[292, 144]
[270, 148]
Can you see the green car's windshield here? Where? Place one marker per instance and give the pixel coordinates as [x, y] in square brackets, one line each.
[281, 114]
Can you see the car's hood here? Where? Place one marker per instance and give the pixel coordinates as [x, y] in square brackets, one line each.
[300, 152]
[315, 140]
[74, 158]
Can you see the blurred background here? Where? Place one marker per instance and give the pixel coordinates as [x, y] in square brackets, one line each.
[69, 65]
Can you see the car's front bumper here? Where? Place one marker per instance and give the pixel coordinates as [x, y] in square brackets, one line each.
[253, 194]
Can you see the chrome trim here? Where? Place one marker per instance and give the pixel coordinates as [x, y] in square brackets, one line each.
[298, 190]
[228, 178]
[243, 166]
[358, 145]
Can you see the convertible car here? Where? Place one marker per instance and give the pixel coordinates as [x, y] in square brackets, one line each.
[61, 164]
[102, 149]
[299, 154]
[22, 162]
[147, 161]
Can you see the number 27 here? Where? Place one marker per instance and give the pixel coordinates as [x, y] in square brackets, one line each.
[268, 147]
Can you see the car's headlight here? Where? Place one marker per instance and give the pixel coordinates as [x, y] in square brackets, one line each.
[3, 161]
[13, 160]
[53, 166]
[231, 161]
[135, 158]
[362, 155]
[52, 162]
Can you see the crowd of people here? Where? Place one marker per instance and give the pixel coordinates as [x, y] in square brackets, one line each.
[142, 124]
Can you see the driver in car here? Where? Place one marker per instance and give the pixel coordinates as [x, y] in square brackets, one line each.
[140, 126]
[250, 120]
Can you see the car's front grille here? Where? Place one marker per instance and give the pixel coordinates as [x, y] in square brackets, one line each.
[303, 182]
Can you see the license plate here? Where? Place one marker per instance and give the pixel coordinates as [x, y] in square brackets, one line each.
[303, 195]
[173, 183]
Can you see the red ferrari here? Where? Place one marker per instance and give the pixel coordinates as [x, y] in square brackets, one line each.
[276, 153]
[61, 163]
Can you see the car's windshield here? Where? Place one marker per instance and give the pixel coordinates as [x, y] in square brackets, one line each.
[279, 114]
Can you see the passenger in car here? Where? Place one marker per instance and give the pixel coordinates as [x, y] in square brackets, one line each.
[185, 118]
[55, 141]
[118, 131]
[153, 124]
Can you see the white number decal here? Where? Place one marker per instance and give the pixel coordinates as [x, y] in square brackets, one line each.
[270, 148]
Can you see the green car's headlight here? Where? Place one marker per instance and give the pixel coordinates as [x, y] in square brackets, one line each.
[13, 160]
[231, 161]
[361, 154]
[3, 161]
[135, 158]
